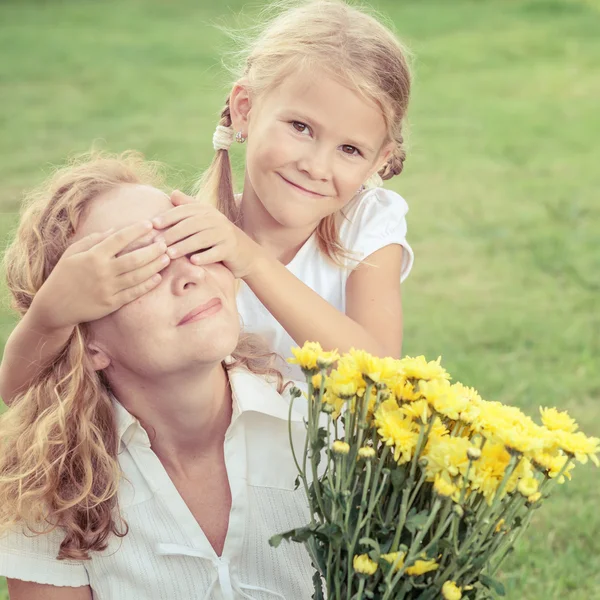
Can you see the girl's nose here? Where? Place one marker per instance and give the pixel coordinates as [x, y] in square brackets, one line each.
[316, 163]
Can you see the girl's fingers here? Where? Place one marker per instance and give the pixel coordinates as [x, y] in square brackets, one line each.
[178, 198]
[133, 293]
[176, 214]
[209, 257]
[139, 276]
[184, 229]
[199, 241]
[88, 242]
[118, 241]
[138, 258]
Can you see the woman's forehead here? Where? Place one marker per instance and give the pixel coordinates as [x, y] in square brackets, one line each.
[125, 205]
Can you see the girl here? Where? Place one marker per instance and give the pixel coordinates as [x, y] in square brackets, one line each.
[146, 463]
[321, 102]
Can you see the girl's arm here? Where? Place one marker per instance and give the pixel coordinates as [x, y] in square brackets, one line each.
[373, 321]
[373, 301]
[93, 278]
[28, 590]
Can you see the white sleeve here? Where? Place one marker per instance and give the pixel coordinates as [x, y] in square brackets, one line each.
[30, 557]
[378, 219]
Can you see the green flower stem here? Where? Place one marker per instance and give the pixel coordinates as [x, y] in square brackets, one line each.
[359, 524]
[314, 410]
[301, 471]
[414, 550]
[413, 496]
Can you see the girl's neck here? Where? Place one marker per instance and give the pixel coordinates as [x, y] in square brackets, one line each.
[186, 415]
[283, 243]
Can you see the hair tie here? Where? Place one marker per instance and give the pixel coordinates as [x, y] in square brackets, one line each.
[222, 137]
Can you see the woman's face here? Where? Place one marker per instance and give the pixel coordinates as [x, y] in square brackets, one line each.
[151, 336]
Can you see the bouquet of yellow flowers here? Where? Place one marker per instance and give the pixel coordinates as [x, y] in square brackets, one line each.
[418, 488]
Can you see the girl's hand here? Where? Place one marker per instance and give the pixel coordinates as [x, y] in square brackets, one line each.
[91, 280]
[202, 231]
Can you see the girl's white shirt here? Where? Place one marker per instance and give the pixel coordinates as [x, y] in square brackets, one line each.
[165, 555]
[374, 219]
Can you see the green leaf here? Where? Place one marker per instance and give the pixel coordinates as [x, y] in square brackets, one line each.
[492, 584]
[318, 585]
[398, 478]
[275, 540]
[416, 520]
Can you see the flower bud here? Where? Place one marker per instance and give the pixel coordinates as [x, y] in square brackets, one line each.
[458, 511]
[473, 453]
[366, 452]
[340, 447]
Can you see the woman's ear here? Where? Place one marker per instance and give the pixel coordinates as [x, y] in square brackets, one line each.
[240, 104]
[100, 360]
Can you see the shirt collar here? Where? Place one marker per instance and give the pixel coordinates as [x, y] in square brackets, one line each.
[250, 393]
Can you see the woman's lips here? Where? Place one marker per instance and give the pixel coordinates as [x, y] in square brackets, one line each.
[202, 312]
[300, 188]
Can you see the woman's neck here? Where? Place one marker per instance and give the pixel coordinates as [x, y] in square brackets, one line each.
[185, 417]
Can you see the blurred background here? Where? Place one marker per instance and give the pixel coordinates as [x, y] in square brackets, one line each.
[502, 179]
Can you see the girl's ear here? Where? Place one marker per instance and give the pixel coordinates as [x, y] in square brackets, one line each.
[240, 104]
[100, 360]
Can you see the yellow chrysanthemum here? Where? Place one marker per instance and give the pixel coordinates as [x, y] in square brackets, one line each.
[312, 357]
[444, 398]
[395, 558]
[552, 463]
[378, 370]
[418, 368]
[395, 429]
[419, 410]
[422, 566]
[555, 420]
[528, 486]
[340, 447]
[336, 403]
[579, 446]
[446, 456]
[444, 487]
[510, 426]
[450, 591]
[534, 497]
[346, 380]
[405, 391]
[363, 564]
[487, 472]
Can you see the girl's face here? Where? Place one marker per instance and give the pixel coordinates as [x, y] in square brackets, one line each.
[154, 336]
[312, 143]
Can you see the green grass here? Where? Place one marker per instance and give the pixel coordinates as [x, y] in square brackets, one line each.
[502, 179]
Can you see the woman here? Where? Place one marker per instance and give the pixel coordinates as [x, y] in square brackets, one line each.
[148, 461]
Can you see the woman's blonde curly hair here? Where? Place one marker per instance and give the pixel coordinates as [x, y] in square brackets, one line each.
[58, 441]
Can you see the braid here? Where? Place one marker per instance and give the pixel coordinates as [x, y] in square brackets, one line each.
[216, 185]
[395, 163]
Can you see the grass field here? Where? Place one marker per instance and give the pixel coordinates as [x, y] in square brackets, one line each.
[502, 179]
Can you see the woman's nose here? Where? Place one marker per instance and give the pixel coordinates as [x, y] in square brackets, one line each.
[185, 276]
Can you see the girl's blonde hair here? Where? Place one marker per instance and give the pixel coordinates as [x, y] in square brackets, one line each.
[58, 441]
[349, 44]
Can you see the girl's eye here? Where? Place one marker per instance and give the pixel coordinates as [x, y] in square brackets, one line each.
[300, 127]
[350, 150]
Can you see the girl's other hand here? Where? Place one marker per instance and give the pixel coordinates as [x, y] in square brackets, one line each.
[95, 277]
[206, 235]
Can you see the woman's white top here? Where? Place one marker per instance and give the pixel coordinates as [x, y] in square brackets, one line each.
[165, 555]
[374, 219]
